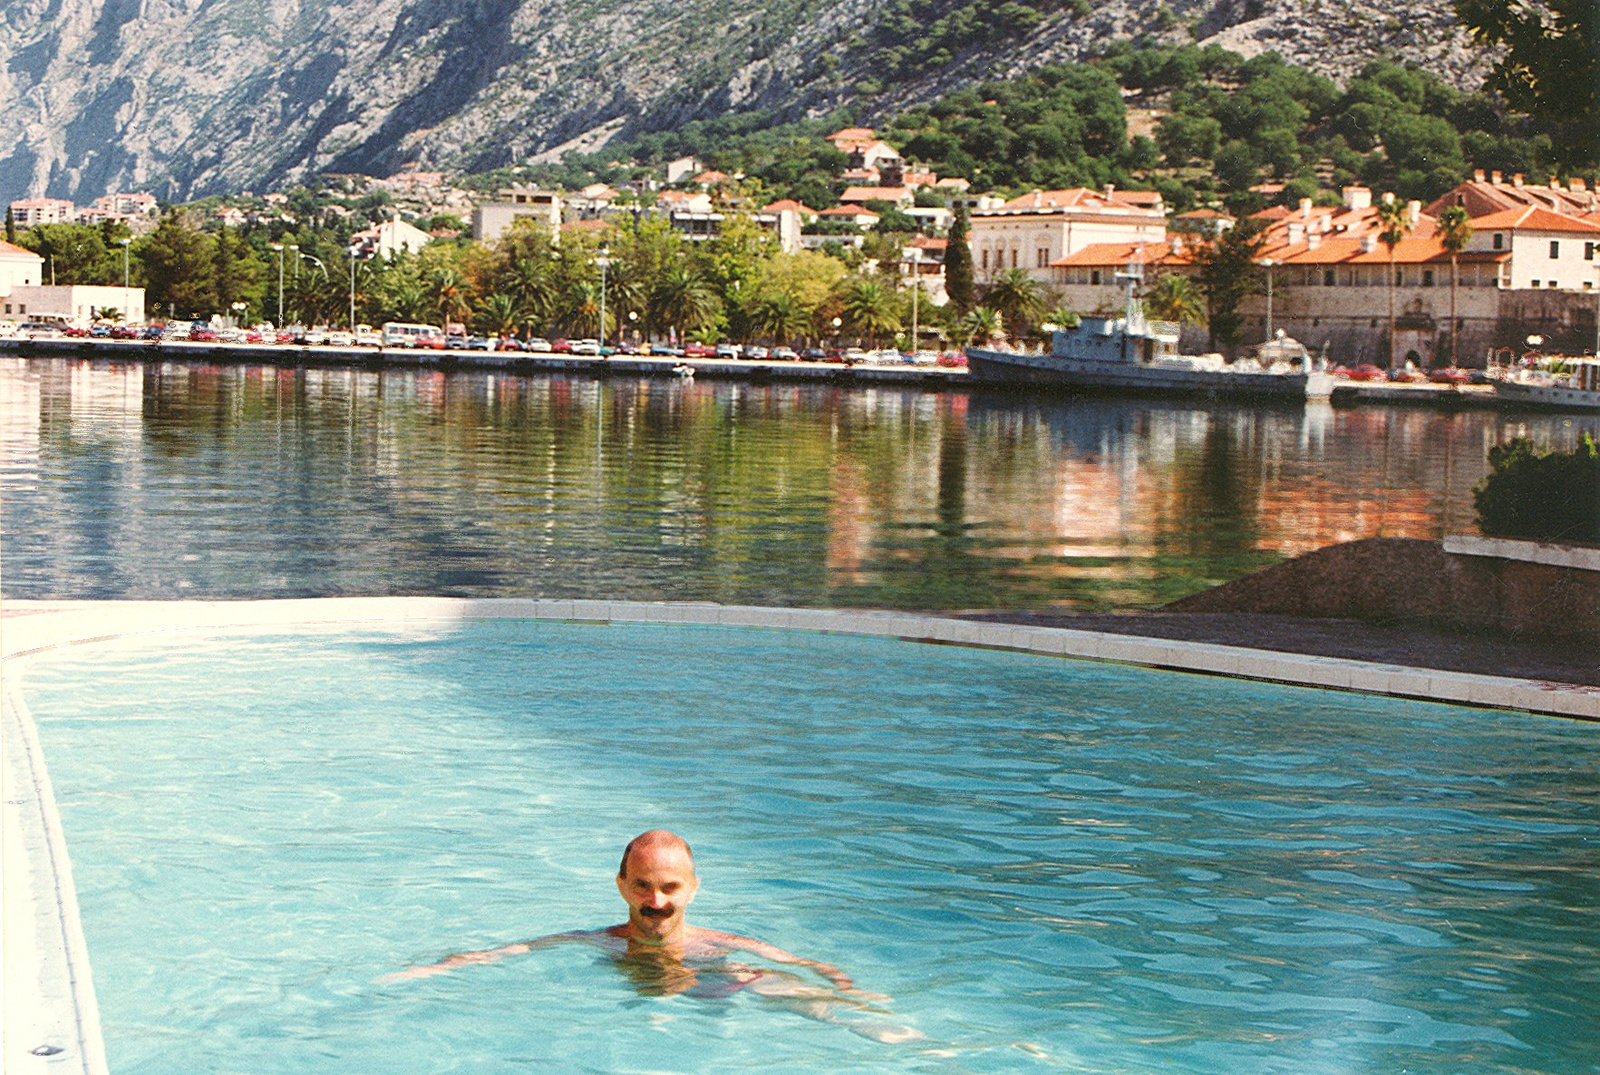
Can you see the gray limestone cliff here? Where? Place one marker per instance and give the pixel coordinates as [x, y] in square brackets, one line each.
[184, 98]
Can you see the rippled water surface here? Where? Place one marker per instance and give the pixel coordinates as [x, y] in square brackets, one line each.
[157, 481]
[1045, 864]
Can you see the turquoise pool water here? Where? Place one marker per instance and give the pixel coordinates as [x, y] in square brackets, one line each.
[1046, 864]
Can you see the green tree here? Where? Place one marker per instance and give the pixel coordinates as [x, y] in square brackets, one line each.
[979, 325]
[227, 279]
[958, 263]
[1549, 66]
[682, 301]
[178, 262]
[780, 318]
[1225, 272]
[1175, 298]
[73, 253]
[497, 315]
[1455, 231]
[869, 310]
[449, 294]
[1551, 496]
[1393, 222]
[1017, 297]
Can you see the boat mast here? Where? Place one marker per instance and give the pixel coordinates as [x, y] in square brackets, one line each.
[1133, 317]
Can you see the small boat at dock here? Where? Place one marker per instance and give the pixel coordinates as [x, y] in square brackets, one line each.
[1577, 387]
[1132, 354]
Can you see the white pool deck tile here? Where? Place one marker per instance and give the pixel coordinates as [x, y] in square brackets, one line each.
[49, 994]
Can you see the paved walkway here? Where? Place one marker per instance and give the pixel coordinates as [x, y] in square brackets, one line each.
[1412, 646]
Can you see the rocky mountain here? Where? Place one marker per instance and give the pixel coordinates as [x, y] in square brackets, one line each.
[183, 98]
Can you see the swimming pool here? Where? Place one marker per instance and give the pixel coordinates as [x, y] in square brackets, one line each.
[1044, 863]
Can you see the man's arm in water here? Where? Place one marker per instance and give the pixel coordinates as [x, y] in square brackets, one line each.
[833, 974]
[488, 955]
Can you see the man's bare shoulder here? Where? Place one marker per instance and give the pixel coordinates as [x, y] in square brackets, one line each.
[716, 942]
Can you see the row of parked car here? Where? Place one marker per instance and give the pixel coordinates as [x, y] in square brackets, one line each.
[365, 336]
[1408, 375]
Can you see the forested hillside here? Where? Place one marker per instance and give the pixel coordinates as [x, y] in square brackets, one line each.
[184, 99]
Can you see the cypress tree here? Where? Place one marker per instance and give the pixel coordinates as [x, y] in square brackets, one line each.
[958, 263]
[11, 226]
[226, 284]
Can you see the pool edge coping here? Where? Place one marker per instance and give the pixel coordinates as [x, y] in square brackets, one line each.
[49, 995]
[68, 1008]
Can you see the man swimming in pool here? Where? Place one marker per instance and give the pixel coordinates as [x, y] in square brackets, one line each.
[664, 955]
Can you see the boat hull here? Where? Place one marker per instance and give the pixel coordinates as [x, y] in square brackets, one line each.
[1055, 371]
[1556, 397]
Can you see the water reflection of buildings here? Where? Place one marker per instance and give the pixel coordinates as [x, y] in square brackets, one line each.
[719, 489]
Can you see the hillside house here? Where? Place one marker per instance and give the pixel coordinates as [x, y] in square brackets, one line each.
[30, 212]
[389, 239]
[491, 219]
[1035, 230]
[900, 197]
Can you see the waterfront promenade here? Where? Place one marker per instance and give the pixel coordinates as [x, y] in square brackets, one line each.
[866, 373]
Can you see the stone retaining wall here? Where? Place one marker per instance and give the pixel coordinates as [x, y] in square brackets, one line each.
[1401, 579]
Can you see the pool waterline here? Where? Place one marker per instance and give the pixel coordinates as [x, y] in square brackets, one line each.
[38, 627]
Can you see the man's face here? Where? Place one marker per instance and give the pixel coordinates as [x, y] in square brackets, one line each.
[658, 885]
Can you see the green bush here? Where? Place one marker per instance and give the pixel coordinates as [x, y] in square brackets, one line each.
[1541, 496]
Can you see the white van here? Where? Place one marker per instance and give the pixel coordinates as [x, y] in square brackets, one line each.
[407, 334]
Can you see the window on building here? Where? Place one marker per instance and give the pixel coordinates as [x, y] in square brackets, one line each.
[1588, 251]
[984, 258]
[1499, 241]
[1536, 283]
[1399, 277]
[1094, 276]
[1555, 248]
[1427, 277]
[1013, 259]
[1554, 284]
[1043, 257]
[1327, 277]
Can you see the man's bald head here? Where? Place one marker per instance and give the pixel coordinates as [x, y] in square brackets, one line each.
[654, 840]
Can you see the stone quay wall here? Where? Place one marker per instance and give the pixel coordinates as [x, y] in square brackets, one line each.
[1519, 589]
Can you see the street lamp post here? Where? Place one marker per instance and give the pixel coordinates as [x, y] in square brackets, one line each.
[127, 295]
[603, 260]
[1268, 264]
[279, 248]
[916, 287]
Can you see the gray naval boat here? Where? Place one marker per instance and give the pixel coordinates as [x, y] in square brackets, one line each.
[1131, 354]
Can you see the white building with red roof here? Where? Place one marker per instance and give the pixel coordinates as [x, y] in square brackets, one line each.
[901, 197]
[19, 267]
[1033, 231]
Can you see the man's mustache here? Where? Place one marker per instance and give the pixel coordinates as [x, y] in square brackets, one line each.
[656, 912]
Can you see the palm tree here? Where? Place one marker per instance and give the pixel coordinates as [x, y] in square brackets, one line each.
[528, 281]
[447, 289]
[1015, 296]
[682, 301]
[1393, 223]
[980, 325]
[580, 313]
[1455, 230]
[869, 309]
[1175, 298]
[499, 315]
[780, 318]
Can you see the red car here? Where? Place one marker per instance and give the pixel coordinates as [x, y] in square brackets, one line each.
[1367, 372]
[200, 334]
[695, 349]
[1449, 375]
